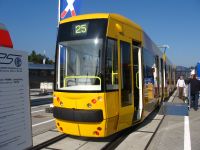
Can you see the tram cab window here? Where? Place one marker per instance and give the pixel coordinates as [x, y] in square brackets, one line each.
[111, 65]
[79, 65]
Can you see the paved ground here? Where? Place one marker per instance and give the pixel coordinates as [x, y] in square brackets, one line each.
[174, 127]
[41, 121]
[179, 130]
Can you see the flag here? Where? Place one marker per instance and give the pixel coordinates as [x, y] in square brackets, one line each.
[68, 8]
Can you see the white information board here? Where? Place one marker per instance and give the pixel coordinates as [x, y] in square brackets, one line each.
[15, 117]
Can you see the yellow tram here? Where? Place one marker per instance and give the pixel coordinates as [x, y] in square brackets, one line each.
[109, 75]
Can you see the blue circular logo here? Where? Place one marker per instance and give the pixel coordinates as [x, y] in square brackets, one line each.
[18, 62]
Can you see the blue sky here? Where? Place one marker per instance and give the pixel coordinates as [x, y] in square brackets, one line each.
[32, 23]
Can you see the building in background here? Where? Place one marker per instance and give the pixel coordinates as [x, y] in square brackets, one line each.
[40, 73]
[182, 71]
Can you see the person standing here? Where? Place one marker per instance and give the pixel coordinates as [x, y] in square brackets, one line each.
[180, 85]
[194, 91]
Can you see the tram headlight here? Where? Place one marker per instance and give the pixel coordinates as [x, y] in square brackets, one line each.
[89, 105]
[61, 103]
[100, 98]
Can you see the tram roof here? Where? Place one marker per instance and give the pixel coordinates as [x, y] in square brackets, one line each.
[118, 17]
[148, 43]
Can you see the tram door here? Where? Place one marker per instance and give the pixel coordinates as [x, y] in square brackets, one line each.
[137, 76]
[126, 99]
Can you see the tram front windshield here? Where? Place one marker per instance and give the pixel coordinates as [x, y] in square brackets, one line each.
[79, 56]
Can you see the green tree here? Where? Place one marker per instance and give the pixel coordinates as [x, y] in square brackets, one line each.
[38, 58]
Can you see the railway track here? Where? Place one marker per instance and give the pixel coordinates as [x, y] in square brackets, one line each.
[123, 134]
[49, 142]
[103, 143]
[108, 143]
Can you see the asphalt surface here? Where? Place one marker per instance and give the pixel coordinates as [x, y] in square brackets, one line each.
[41, 121]
[37, 100]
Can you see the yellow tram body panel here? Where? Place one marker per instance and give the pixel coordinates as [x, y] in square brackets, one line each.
[116, 28]
[89, 101]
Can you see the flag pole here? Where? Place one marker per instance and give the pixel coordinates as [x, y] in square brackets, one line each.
[58, 13]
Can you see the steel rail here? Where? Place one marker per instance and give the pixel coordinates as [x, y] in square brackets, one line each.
[49, 142]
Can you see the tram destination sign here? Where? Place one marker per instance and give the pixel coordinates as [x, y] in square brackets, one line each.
[80, 29]
[15, 121]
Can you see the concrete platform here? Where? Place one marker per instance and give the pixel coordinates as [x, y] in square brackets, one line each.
[179, 129]
[45, 136]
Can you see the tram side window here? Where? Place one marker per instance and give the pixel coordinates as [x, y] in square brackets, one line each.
[149, 64]
[150, 76]
[111, 65]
